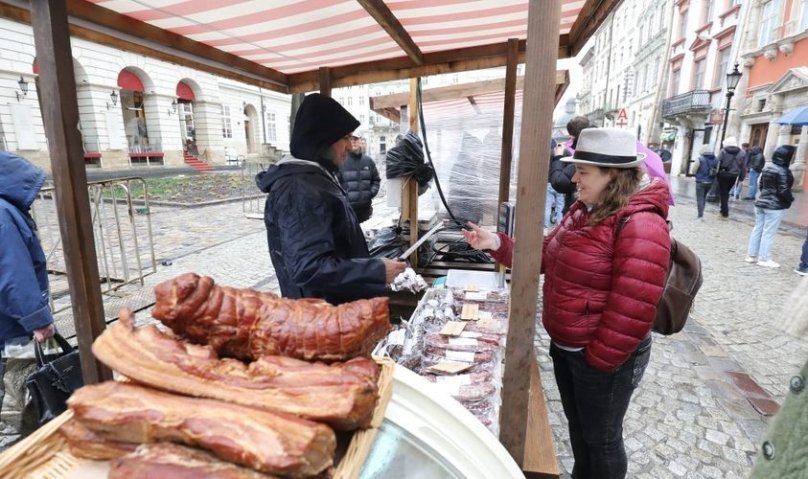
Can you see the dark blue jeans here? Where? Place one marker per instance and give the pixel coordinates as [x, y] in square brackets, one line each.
[595, 404]
[804, 257]
[701, 195]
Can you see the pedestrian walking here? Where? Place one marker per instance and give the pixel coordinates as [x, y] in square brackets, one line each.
[704, 168]
[555, 201]
[735, 192]
[775, 197]
[360, 179]
[755, 164]
[597, 309]
[802, 268]
[731, 169]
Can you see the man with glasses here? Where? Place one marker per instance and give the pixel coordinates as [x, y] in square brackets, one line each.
[359, 178]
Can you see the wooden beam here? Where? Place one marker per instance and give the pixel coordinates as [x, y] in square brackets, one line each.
[325, 81]
[216, 64]
[388, 21]
[562, 82]
[450, 61]
[61, 117]
[451, 92]
[508, 113]
[591, 16]
[537, 125]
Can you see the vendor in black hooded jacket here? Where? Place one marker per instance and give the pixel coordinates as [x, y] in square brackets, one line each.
[315, 242]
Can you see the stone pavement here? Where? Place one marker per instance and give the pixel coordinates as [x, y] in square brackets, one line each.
[699, 411]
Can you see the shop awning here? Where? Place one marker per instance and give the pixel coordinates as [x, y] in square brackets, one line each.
[797, 117]
[129, 81]
[184, 92]
[282, 45]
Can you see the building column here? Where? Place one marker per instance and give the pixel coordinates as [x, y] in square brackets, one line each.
[208, 127]
[680, 146]
[798, 165]
[695, 148]
[776, 103]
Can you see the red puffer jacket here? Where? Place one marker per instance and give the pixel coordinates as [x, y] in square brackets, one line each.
[601, 286]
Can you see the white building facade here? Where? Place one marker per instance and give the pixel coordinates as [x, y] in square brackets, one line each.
[138, 111]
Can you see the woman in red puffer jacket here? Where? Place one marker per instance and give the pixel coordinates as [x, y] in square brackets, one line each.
[605, 268]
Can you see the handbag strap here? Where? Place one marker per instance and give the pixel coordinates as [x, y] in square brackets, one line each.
[60, 340]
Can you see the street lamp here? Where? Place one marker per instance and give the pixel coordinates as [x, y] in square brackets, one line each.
[23, 87]
[733, 78]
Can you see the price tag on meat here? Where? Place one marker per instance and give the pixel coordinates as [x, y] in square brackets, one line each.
[470, 312]
[464, 342]
[453, 328]
[448, 367]
[486, 315]
[471, 288]
[476, 295]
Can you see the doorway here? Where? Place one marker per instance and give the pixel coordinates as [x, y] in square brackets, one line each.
[758, 135]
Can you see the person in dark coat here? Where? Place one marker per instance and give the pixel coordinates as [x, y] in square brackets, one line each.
[24, 308]
[775, 197]
[755, 163]
[703, 168]
[315, 242]
[731, 170]
[360, 179]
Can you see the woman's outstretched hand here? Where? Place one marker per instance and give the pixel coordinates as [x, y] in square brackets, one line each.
[479, 238]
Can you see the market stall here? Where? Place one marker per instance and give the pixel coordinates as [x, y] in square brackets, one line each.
[478, 38]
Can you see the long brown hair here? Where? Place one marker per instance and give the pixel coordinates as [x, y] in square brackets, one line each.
[623, 184]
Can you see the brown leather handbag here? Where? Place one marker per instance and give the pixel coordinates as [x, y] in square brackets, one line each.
[684, 281]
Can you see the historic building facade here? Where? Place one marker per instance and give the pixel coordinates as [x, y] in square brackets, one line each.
[775, 56]
[138, 111]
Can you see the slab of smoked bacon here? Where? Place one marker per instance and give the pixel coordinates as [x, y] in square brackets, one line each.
[246, 324]
[167, 460]
[267, 442]
[342, 394]
[88, 445]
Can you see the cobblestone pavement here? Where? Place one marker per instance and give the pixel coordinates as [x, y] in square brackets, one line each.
[699, 411]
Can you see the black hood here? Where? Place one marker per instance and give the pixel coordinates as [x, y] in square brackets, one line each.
[756, 150]
[732, 150]
[783, 154]
[265, 179]
[708, 156]
[319, 123]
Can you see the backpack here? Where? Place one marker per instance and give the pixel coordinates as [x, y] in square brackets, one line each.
[730, 163]
[681, 286]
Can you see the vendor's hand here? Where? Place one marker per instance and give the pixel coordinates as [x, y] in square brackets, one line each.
[392, 268]
[479, 238]
[43, 334]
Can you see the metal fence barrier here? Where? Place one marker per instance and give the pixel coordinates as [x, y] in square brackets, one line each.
[121, 228]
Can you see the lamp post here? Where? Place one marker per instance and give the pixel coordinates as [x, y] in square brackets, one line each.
[733, 78]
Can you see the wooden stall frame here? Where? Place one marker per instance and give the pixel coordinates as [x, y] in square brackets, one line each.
[56, 21]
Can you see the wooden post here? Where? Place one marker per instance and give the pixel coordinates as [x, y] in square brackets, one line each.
[508, 113]
[325, 81]
[537, 122]
[507, 121]
[61, 117]
[409, 186]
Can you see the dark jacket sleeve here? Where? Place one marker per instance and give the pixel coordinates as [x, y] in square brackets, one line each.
[309, 248]
[376, 181]
[560, 176]
[21, 297]
[785, 180]
[742, 163]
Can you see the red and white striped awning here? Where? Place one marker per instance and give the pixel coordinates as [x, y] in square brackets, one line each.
[294, 45]
[293, 36]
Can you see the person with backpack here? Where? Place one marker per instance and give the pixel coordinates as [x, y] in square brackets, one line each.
[731, 169]
[756, 162]
[775, 197]
[704, 168]
[605, 267]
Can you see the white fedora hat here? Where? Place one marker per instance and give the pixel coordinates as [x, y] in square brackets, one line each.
[609, 147]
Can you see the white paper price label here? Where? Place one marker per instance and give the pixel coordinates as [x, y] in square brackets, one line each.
[465, 342]
[476, 295]
[466, 357]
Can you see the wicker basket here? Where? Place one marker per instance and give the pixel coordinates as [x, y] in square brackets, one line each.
[44, 454]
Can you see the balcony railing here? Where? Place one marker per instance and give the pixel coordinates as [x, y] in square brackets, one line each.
[692, 102]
